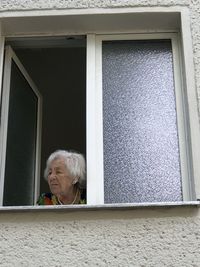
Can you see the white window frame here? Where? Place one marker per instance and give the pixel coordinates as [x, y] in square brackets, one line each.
[95, 115]
[183, 55]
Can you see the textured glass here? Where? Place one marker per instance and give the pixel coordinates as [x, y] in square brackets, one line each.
[141, 150]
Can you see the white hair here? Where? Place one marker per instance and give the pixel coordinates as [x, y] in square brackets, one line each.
[75, 164]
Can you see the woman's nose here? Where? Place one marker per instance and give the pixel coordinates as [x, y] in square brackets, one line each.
[52, 176]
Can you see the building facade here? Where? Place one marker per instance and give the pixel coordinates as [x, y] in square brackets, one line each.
[142, 234]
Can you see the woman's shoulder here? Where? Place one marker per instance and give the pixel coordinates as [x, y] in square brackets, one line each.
[83, 197]
[82, 201]
[47, 199]
[50, 199]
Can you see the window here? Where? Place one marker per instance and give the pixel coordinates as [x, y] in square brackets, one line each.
[141, 128]
[20, 134]
[141, 147]
[138, 115]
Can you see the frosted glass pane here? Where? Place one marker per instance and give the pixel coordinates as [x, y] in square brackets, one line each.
[141, 150]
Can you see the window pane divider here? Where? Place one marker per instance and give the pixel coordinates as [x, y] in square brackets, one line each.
[94, 128]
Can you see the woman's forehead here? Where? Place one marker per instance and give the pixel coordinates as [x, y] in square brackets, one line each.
[58, 162]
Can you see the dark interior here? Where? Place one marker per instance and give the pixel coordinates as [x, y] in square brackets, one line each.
[58, 68]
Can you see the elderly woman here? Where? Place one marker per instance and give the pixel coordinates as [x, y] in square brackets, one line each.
[65, 174]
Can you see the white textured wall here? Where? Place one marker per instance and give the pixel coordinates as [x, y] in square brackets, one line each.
[147, 237]
[60, 4]
[155, 237]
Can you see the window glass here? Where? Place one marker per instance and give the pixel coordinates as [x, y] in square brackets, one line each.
[141, 150]
[21, 142]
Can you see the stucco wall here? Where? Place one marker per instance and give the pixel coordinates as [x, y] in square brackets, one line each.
[146, 237]
[155, 237]
[60, 4]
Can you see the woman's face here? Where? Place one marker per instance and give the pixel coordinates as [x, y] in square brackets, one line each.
[59, 180]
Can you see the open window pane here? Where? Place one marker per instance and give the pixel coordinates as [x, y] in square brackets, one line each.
[141, 150]
[21, 142]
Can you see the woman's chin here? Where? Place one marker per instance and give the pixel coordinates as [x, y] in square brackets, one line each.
[55, 191]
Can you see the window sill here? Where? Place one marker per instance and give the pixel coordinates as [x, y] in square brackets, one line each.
[123, 206]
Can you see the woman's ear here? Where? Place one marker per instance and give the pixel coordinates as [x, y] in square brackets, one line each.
[75, 180]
